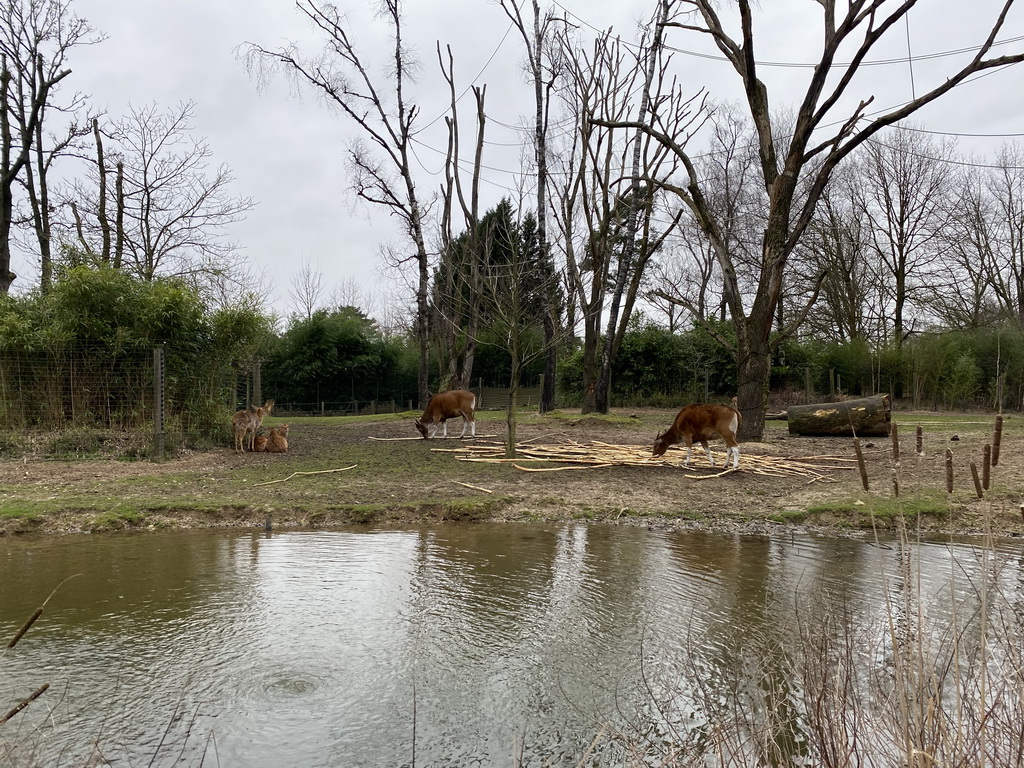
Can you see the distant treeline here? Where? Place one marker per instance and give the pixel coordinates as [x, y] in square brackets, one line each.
[64, 356]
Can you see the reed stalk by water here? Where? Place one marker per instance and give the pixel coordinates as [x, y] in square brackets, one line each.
[905, 689]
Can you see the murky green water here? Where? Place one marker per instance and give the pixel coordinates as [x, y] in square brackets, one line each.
[449, 646]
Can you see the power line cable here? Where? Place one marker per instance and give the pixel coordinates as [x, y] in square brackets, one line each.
[801, 65]
[474, 80]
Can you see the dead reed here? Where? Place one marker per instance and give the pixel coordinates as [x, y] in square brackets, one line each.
[898, 685]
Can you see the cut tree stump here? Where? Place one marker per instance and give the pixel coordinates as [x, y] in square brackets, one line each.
[863, 416]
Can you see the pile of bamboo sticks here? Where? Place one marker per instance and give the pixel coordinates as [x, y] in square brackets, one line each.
[574, 455]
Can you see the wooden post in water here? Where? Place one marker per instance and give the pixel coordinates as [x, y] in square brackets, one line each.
[860, 462]
[977, 480]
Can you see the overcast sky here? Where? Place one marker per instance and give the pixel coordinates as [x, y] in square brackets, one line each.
[287, 151]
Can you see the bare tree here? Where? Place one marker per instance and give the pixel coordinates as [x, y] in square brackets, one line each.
[169, 208]
[837, 244]
[906, 181]
[348, 293]
[36, 38]
[543, 69]
[306, 290]
[381, 163]
[517, 279]
[960, 293]
[458, 285]
[733, 192]
[648, 160]
[589, 165]
[796, 171]
[608, 220]
[682, 282]
[1005, 187]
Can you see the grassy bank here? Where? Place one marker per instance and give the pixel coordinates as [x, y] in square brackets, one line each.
[359, 470]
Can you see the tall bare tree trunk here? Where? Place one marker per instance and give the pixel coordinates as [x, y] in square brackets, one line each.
[626, 265]
[102, 197]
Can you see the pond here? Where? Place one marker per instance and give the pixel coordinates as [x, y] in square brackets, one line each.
[482, 645]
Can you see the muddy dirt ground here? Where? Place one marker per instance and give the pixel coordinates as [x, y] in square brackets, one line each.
[401, 481]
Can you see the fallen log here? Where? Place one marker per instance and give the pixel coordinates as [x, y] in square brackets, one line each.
[863, 416]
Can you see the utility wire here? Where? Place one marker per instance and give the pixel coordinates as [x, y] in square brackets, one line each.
[801, 65]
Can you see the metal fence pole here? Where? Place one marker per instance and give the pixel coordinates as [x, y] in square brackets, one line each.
[158, 403]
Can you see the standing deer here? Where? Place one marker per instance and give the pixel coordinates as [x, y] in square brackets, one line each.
[249, 421]
[701, 422]
[448, 405]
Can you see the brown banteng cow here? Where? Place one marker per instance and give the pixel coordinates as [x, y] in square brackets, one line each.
[448, 405]
[699, 423]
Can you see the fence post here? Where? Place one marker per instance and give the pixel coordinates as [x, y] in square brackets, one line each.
[158, 403]
[257, 384]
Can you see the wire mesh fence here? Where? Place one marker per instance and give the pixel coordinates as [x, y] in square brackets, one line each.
[91, 400]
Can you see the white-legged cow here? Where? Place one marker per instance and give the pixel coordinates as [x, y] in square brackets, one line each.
[699, 423]
[448, 405]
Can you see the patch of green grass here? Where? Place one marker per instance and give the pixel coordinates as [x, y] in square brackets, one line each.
[880, 510]
[466, 510]
[18, 512]
[118, 519]
[366, 514]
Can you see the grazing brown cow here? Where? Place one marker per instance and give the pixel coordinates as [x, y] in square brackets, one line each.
[448, 405]
[701, 422]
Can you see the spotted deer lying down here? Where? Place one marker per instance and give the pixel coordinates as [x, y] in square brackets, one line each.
[277, 440]
[448, 405]
[701, 422]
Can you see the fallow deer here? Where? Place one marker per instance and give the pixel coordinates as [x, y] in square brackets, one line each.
[249, 421]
